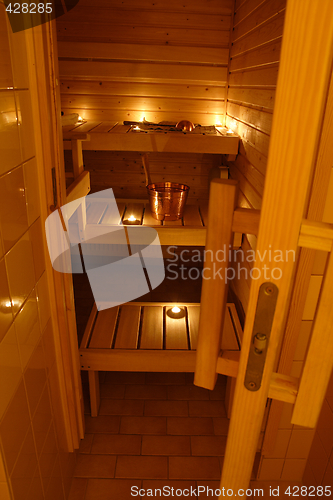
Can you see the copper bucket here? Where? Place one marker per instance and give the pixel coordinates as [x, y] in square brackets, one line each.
[167, 200]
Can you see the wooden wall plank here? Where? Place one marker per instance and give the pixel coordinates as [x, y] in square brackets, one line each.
[125, 71]
[193, 313]
[253, 117]
[195, 6]
[141, 89]
[126, 103]
[265, 54]
[94, 32]
[265, 76]
[265, 11]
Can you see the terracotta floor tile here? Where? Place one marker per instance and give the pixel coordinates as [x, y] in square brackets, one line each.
[142, 467]
[207, 489]
[218, 394]
[206, 409]
[78, 488]
[221, 426]
[208, 446]
[110, 489]
[187, 392]
[143, 425]
[165, 378]
[85, 444]
[166, 445]
[145, 392]
[121, 407]
[189, 426]
[102, 423]
[125, 378]
[166, 408]
[194, 468]
[98, 466]
[112, 391]
[171, 488]
[116, 444]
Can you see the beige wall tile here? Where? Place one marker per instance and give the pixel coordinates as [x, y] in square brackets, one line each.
[328, 477]
[6, 314]
[6, 76]
[308, 478]
[42, 421]
[56, 489]
[318, 459]
[14, 426]
[4, 491]
[312, 297]
[79, 486]
[20, 271]
[36, 236]
[35, 377]
[48, 457]
[31, 190]
[271, 468]
[3, 475]
[325, 428]
[49, 347]
[9, 133]
[300, 443]
[26, 125]
[293, 470]
[281, 444]
[27, 328]
[285, 422]
[43, 301]
[10, 368]
[13, 212]
[25, 467]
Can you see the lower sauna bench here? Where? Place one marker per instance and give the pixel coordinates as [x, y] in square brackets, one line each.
[140, 336]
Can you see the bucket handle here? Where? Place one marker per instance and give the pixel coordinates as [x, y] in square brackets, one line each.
[145, 163]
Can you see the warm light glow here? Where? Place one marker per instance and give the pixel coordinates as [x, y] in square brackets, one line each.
[175, 309]
[136, 127]
[8, 304]
[132, 218]
[218, 124]
[142, 119]
[80, 119]
[229, 131]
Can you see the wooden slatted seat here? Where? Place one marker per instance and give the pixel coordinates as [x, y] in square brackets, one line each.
[142, 337]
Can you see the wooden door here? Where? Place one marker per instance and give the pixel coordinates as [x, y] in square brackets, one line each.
[305, 69]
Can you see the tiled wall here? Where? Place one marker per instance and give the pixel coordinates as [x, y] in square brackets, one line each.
[289, 459]
[34, 463]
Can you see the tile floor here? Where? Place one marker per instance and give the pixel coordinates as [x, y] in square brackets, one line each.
[155, 430]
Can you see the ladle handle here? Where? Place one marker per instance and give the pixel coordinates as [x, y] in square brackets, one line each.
[145, 163]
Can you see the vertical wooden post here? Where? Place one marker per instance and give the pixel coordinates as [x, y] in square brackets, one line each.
[222, 199]
[300, 99]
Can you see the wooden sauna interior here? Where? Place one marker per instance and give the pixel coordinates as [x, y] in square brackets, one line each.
[214, 63]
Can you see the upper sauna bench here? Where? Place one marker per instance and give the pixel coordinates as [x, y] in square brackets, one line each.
[108, 136]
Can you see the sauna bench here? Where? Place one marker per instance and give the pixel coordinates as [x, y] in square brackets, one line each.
[141, 337]
[188, 231]
[108, 136]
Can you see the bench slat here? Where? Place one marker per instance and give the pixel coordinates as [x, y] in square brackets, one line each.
[128, 328]
[152, 328]
[193, 313]
[192, 216]
[102, 336]
[175, 333]
[109, 216]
